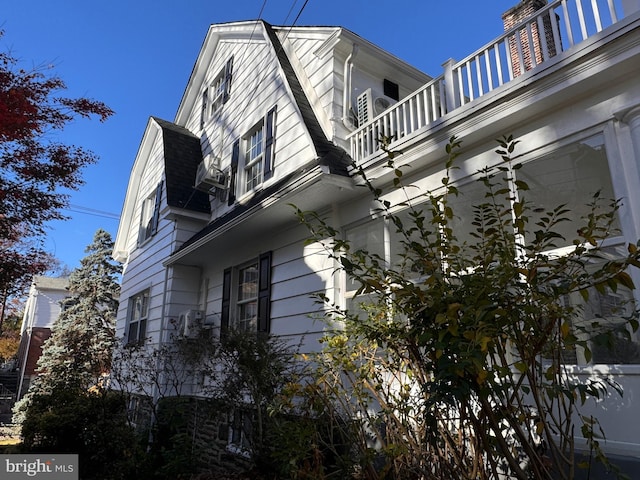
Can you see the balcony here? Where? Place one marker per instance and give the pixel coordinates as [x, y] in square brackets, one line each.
[539, 39]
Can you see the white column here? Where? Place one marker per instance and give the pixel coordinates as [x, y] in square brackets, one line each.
[632, 118]
[452, 93]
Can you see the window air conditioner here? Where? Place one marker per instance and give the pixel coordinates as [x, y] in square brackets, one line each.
[189, 321]
[370, 104]
[209, 175]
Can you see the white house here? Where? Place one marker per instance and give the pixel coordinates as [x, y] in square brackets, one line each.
[273, 116]
[40, 311]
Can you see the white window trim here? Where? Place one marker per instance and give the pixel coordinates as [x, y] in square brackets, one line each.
[143, 318]
[252, 324]
[250, 163]
[150, 215]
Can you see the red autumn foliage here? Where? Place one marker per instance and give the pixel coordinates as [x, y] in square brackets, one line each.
[35, 170]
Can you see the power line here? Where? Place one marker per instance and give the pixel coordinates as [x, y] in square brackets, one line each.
[92, 211]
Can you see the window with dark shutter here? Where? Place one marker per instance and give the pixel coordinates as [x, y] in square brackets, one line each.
[150, 215]
[220, 88]
[246, 296]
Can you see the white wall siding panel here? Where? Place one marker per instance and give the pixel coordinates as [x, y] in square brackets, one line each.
[298, 325]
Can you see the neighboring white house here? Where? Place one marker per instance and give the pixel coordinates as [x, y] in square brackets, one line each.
[273, 116]
[41, 309]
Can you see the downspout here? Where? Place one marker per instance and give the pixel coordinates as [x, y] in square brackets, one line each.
[156, 387]
[346, 92]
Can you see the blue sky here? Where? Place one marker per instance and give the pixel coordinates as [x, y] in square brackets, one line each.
[137, 55]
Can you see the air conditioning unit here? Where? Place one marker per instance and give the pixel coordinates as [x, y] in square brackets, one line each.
[209, 175]
[189, 321]
[370, 104]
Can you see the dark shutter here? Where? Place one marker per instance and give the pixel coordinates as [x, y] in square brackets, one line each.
[226, 302]
[264, 293]
[228, 75]
[156, 210]
[205, 105]
[235, 156]
[268, 143]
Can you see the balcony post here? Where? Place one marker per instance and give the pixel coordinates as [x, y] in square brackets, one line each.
[451, 89]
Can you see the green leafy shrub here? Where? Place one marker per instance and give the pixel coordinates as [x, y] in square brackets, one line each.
[455, 366]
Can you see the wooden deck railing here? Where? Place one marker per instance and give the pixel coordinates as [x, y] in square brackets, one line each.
[551, 30]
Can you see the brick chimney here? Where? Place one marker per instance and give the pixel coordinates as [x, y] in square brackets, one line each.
[512, 17]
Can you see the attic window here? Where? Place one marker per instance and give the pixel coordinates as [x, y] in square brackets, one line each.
[252, 160]
[150, 215]
[218, 92]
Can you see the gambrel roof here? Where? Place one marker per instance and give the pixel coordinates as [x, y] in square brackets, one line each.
[333, 160]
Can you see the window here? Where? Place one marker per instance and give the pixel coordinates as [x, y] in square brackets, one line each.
[246, 295]
[255, 153]
[253, 159]
[137, 317]
[150, 215]
[569, 176]
[371, 237]
[607, 311]
[218, 93]
[600, 322]
[240, 431]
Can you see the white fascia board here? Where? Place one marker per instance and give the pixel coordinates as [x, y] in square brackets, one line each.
[120, 248]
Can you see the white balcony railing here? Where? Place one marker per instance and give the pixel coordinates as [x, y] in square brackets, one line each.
[551, 30]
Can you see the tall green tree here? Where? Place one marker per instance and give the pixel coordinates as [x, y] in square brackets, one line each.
[68, 408]
[79, 351]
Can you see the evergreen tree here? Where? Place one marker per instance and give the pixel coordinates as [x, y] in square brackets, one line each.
[79, 351]
[68, 408]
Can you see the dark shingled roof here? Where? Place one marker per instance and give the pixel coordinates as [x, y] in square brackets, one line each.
[182, 155]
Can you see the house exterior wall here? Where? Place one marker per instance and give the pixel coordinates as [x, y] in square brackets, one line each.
[250, 99]
[587, 92]
[42, 308]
